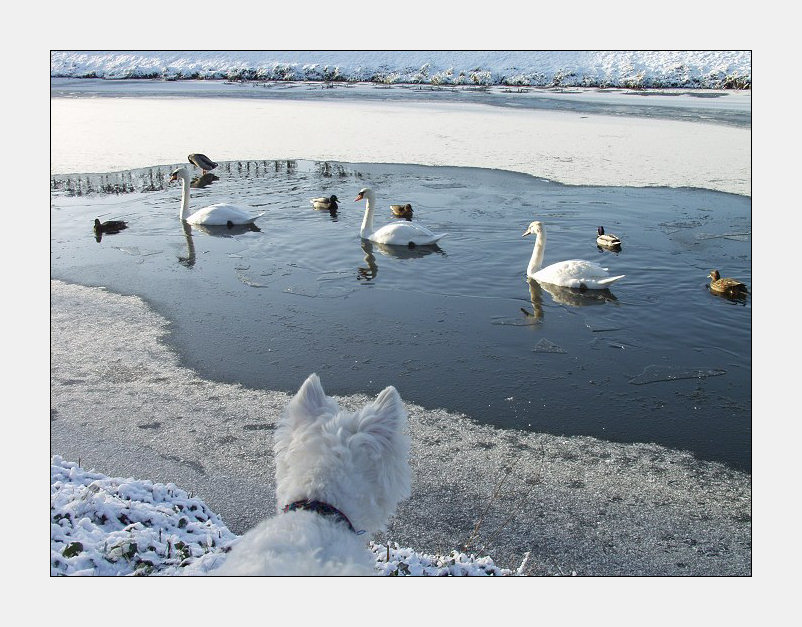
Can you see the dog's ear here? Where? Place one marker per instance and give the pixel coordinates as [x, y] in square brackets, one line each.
[310, 403]
[389, 415]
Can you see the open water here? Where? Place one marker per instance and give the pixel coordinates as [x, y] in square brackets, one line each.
[658, 358]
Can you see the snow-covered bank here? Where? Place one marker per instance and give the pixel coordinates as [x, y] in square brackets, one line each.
[574, 503]
[103, 525]
[712, 69]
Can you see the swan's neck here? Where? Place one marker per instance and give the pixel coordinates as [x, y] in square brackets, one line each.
[367, 220]
[537, 254]
[184, 197]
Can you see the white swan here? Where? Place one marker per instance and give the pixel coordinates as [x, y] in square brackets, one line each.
[221, 214]
[576, 273]
[395, 234]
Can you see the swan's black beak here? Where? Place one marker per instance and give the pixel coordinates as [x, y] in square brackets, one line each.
[526, 233]
[173, 178]
[358, 197]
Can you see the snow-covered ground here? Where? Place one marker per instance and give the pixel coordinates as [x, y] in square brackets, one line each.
[112, 526]
[643, 69]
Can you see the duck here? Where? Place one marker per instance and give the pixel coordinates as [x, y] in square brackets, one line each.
[325, 204]
[395, 234]
[202, 161]
[402, 211]
[574, 273]
[110, 226]
[607, 239]
[728, 287]
[220, 214]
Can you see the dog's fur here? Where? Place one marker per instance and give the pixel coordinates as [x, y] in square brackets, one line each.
[357, 463]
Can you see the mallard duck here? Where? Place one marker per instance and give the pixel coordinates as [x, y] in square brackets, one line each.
[202, 161]
[395, 234]
[576, 273]
[402, 211]
[111, 226]
[607, 239]
[728, 287]
[220, 214]
[325, 204]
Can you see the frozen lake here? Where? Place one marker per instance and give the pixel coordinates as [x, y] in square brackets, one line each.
[658, 359]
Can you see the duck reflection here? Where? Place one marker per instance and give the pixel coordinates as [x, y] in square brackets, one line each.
[612, 248]
[204, 180]
[399, 252]
[572, 297]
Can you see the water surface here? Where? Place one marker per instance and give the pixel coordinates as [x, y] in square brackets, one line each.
[656, 359]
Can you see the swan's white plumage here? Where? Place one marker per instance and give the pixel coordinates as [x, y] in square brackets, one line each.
[395, 234]
[220, 214]
[575, 273]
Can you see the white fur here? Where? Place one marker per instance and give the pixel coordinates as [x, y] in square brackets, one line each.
[358, 463]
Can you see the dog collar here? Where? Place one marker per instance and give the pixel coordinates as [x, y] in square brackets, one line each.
[324, 509]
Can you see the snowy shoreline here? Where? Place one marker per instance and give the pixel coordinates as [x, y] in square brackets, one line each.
[631, 69]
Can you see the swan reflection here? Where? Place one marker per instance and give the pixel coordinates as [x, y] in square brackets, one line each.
[572, 297]
[399, 252]
[214, 231]
[189, 260]
[406, 252]
[226, 230]
[369, 273]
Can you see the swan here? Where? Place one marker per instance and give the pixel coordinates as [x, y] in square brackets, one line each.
[396, 234]
[402, 211]
[202, 161]
[728, 287]
[576, 273]
[607, 239]
[325, 204]
[221, 214]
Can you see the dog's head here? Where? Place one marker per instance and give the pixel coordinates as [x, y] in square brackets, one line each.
[356, 462]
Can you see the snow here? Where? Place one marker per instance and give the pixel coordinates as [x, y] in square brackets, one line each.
[643, 69]
[113, 526]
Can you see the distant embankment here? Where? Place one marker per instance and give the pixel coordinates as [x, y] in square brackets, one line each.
[632, 70]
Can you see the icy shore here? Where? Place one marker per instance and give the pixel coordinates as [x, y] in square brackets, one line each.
[633, 69]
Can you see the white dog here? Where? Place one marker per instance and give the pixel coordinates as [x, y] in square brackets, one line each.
[339, 477]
